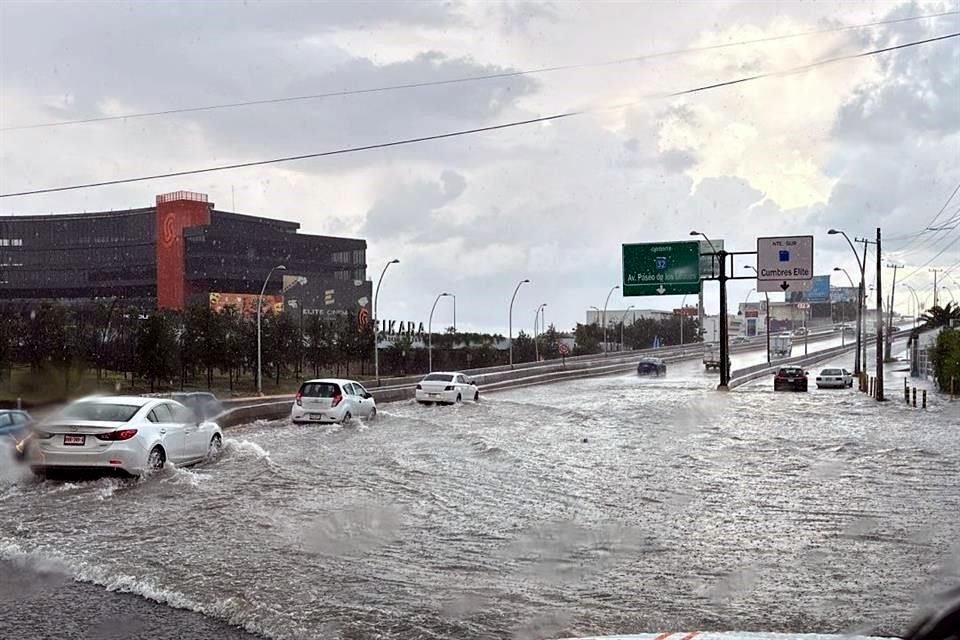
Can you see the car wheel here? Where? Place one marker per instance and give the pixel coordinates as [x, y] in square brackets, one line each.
[459, 398]
[215, 448]
[476, 396]
[156, 459]
[373, 413]
[346, 418]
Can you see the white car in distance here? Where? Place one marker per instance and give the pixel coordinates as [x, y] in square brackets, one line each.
[834, 379]
[446, 387]
[332, 400]
[130, 434]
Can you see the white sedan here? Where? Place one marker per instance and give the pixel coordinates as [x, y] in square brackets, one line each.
[332, 400]
[130, 434]
[446, 387]
[834, 378]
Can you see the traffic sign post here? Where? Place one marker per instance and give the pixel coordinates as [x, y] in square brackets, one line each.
[784, 263]
[661, 268]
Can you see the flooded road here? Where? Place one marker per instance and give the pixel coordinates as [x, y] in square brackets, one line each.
[609, 505]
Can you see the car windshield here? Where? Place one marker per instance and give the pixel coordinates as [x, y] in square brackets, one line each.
[100, 411]
[319, 390]
[527, 319]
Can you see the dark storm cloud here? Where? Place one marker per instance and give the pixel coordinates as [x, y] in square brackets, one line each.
[165, 55]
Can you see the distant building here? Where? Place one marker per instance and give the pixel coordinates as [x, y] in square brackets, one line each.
[615, 316]
[180, 251]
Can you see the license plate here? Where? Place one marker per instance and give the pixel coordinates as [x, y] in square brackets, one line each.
[316, 416]
[75, 441]
[434, 395]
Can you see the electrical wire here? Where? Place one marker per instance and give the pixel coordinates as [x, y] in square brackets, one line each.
[477, 78]
[476, 130]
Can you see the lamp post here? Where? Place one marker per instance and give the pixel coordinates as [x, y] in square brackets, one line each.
[861, 299]
[536, 347]
[430, 330]
[766, 298]
[605, 303]
[843, 317]
[376, 298]
[510, 319]
[263, 289]
[700, 315]
[623, 320]
[916, 304]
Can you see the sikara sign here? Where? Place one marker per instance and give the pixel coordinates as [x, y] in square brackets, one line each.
[661, 268]
[784, 263]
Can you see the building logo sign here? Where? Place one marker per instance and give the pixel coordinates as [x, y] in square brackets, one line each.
[168, 230]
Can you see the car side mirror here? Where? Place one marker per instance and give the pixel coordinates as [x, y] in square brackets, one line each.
[367, 395]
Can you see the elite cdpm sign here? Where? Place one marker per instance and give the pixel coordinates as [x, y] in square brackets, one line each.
[784, 263]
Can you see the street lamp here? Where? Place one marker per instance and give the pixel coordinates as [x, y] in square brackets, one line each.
[605, 302]
[536, 347]
[279, 267]
[916, 304]
[714, 261]
[766, 297]
[430, 331]
[861, 299]
[597, 309]
[510, 319]
[376, 346]
[623, 320]
[843, 309]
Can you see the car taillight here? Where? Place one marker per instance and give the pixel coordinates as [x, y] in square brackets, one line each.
[449, 387]
[419, 388]
[336, 400]
[122, 434]
[42, 435]
[299, 399]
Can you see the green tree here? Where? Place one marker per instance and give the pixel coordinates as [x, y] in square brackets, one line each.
[523, 349]
[946, 358]
[231, 357]
[156, 349]
[279, 342]
[587, 338]
[550, 344]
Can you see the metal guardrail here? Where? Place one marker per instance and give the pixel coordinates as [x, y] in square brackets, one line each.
[749, 374]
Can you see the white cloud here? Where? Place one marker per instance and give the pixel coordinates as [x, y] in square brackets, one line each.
[853, 145]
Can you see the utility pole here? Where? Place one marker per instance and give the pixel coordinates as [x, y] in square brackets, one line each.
[878, 383]
[935, 271]
[724, 347]
[893, 287]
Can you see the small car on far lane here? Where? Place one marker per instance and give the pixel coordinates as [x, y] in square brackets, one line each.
[329, 400]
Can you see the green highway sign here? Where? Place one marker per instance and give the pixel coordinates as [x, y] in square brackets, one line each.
[661, 268]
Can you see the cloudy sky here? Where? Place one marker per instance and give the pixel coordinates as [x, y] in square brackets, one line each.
[855, 145]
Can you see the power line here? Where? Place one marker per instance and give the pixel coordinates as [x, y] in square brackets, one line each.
[477, 78]
[463, 132]
[927, 227]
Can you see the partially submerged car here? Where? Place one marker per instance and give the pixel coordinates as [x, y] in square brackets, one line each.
[651, 367]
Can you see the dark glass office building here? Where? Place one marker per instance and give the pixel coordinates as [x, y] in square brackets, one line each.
[180, 251]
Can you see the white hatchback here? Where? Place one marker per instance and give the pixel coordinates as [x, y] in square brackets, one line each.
[332, 400]
[446, 387]
[130, 434]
